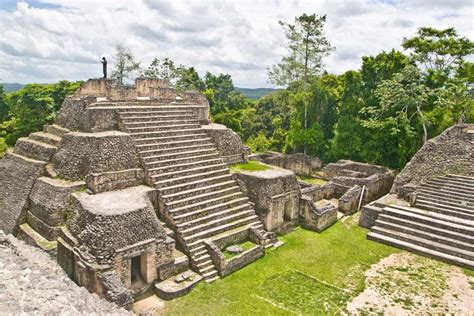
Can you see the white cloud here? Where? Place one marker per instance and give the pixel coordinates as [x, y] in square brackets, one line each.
[241, 38]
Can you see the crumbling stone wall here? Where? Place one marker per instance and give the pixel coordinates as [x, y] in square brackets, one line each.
[300, 164]
[450, 152]
[81, 154]
[17, 176]
[275, 193]
[228, 143]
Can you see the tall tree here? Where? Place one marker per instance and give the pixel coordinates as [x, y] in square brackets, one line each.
[439, 52]
[307, 45]
[125, 63]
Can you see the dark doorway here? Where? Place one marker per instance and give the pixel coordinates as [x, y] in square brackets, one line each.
[136, 271]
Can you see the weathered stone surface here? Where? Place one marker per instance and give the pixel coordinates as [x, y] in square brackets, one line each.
[450, 152]
[17, 176]
[81, 154]
[234, 249]
[349, 202]
[114, 180]
[170, 289]
[275, 193]
[105, 222]
[316, 218]
[300, 164]
[72, 112]
[32, 283]
[228, 143]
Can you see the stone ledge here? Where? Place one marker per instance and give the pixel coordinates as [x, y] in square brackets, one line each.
[169, 289]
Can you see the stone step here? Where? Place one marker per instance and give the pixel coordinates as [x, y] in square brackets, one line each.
[215, 204]
[34, 149]
[153, 110]
[167, 133]
[47, 138]
[433, 197]
[203, 258]
[194, 176]
[225, 216]
[175, 147]
[205, 265]
[221, 228]
[465, 178]
[210, 276]
[431, 218]
[410, 246]
[198, 191]
[202, 197]
[444, 194]
[199, 254]
[427, 243]
[426, 227]
[445, 209]
[153, 164]
[170, 155]
[188, 172]
[162, 128]
[194, 184]
[445, 189]
[186, 166]
[452, 184]
[170, 141]
[437, 237]
[157, 118]
[55, 130]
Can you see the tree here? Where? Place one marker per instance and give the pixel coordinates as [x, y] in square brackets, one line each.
[125, 63]
[4, 106]
[406, 95]
[440, 52]
[307, 45]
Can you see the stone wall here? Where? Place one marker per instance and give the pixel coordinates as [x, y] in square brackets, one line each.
[300, 164]
[81, 154]
[316, 218]
[17, 176]
[275, 193]
[73, 109]
[228, 143]
[32, 283]
[450, 152]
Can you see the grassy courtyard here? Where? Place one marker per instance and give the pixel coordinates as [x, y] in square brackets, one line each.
[312, 273]
[249, 166]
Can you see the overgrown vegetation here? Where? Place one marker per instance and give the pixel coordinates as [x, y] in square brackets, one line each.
[320, 260]
[249, 166]
[312, 180]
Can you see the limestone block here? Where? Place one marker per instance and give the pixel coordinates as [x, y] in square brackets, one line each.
[300, 164]
[72, 112]
[316, 218]
[49, 199]
[114, 180]
[228, 143]
[349, 202]
[105, 223]
[17, 176]
[33, 149]
[275, 193]
[81, 154]
[96, 119]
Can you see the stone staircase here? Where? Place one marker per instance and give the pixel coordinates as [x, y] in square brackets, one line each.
[199, 199]
[440, 225]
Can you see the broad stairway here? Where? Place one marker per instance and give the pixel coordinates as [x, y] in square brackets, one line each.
[440, 225]
[199, 199]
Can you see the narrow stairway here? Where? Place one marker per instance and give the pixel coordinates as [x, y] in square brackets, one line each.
[198, 195]
[441, 225]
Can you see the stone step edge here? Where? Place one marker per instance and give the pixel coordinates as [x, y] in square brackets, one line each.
[421, 250]
[432, 216]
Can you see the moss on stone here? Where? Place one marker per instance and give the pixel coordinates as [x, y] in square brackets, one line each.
[249, 166]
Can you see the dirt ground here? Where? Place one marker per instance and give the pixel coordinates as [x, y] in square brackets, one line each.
[407, 284]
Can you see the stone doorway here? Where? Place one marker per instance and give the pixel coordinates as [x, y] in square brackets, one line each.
[136, 270]
[288, 211]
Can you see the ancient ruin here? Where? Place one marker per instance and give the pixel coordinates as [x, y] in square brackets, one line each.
[430, 209]
[130, 190]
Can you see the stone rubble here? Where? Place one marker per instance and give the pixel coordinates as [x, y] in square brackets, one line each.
[32, 283]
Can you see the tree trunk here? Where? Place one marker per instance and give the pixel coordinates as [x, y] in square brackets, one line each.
[305, 88]
[422, 119]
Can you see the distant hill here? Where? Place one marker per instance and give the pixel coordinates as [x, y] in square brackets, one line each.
[255, 93]
[9, 87]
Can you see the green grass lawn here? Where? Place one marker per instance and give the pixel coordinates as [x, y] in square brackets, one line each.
[307, 275]
[245, 246]
[312, 180]
[249, 166]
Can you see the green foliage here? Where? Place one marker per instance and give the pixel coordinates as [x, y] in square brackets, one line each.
[259, 143]
[250, 166]
[125, 63]
[180, 77]
[307, 46]
[3, 147]
[30, 108]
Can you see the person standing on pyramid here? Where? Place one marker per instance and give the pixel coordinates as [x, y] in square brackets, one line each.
[104, 66]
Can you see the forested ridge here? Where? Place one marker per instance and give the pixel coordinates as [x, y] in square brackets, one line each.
[381, 113]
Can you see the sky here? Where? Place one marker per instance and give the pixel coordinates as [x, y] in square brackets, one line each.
[50, 40]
